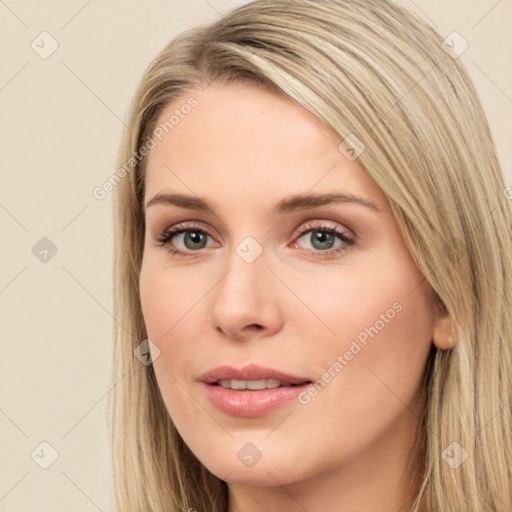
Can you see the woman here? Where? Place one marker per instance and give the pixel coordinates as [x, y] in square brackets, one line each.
[340, 339]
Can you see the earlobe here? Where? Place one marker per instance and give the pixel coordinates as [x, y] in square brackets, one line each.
[442, 335]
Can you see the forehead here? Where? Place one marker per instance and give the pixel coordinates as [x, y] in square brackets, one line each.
[239, 117]
[243, 141]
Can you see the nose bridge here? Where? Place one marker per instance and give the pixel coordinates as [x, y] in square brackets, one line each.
[246, 266]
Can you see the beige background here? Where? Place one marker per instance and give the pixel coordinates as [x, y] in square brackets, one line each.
[60, 127]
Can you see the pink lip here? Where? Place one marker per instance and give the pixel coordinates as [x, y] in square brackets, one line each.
[250, 403]
[249, 372]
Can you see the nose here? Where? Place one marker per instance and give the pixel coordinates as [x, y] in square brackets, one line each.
[245, 302]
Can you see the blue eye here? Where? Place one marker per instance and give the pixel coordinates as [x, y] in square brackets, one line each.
[323, 239]
[321, 236]
[193, 236]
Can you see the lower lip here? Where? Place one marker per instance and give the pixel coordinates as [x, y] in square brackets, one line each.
[251, 404]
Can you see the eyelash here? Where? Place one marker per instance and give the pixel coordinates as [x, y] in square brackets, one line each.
[165, 238]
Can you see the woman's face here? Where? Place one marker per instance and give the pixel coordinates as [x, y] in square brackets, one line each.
[277, 286]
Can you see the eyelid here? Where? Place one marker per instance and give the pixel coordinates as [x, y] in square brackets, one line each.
[347, 238]
[322, 225]
[179, 228]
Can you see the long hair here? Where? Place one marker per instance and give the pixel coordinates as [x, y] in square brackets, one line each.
[377, 74]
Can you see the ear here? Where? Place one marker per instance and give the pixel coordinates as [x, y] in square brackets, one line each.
[442, 334]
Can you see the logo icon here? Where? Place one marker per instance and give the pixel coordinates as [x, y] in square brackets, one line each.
[44, 250]
[454, 45]
[454, 455]
[351, 147]
[249, 249]
[44, 455]
[147, 352]
[249, 455]
[44, 45]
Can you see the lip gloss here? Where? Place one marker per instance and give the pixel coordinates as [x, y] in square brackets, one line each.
[251, 404]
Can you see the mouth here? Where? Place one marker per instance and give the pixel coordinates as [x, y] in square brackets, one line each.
[252, 377]
[251, 391]
[254, 385]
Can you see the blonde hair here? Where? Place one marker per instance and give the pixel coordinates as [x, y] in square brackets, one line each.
[373, 70]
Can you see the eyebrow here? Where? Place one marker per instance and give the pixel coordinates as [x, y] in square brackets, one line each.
[287, 205]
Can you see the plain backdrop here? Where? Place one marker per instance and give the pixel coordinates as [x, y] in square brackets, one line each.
[61, 120]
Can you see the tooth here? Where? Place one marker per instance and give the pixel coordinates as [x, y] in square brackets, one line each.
[256, 384]
[238, 384]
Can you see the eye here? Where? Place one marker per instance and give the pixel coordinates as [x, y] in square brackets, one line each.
[322, 237]
[190, 234]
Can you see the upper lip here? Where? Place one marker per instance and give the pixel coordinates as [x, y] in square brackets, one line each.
[250, 372]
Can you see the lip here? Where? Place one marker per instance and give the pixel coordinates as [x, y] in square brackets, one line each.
[250, 372]
[251, 403]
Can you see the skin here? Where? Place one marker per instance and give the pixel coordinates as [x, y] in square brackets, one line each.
[242, 149]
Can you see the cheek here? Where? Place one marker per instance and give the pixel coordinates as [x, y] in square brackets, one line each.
[384, 298]
[168, 297]
[165, 304]
[381, 316]
[174, 303]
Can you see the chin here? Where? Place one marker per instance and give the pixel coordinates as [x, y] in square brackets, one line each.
[255, 464]
[259, 475]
